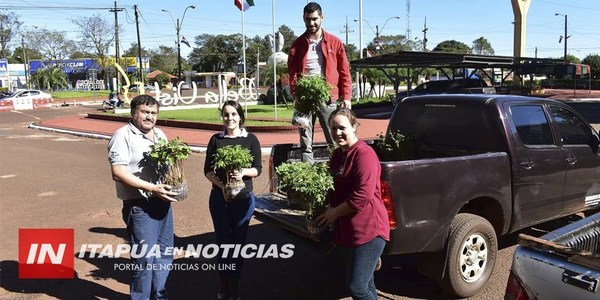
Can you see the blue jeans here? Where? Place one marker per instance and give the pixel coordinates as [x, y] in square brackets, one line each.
[307, 135]
[231, 220]
[149, 223]
[361, 262]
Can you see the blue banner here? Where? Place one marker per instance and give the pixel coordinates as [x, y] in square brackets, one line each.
[3, 67]
[68, 66]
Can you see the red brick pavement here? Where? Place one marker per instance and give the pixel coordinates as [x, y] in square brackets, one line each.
[368, 129]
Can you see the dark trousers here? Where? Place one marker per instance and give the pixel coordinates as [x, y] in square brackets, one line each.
[307, 135]
[361, 262]
[231, 220]
[149, 224]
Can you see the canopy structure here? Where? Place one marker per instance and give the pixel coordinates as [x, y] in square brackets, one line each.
[456, 61]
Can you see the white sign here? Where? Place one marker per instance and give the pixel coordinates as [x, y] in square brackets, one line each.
[246, 92]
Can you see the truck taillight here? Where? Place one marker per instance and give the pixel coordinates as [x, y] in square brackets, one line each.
[514, 289]
[271, 178]
[388, 201]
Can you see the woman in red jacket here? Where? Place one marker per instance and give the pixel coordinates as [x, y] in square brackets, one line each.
[356, 208]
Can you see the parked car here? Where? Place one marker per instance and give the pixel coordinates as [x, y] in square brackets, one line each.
[562, 264]
[283, 95]
[28, 95]
[184, 86]
[147, 87]
[483, 166]
[26, 99]
[454, 86]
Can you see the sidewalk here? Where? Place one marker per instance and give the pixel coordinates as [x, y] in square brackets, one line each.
[196, 138]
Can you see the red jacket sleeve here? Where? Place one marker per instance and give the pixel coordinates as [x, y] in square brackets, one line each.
[345, 81]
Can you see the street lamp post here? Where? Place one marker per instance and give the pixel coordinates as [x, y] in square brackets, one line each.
[565, 36]
[377, 31]
[25, 63]
[177, 29]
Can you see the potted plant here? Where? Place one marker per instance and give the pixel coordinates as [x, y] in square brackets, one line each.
[310, 183]
[230, 158]
[312, 92]
[396, 146]
[169, 156]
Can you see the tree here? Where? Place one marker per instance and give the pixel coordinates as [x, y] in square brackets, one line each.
[53, 45]
[133, 51]
[81, 54]
[97, 35]
[17, 55]
[593, 60]
[50, 78]
[162, 79]
[573, 59]
[351, 52]
[482, 46]
[9, 26]
[392, 43]
[257, 46]
[452, 46]
[165, 59]
[217, 49]
[288, 36]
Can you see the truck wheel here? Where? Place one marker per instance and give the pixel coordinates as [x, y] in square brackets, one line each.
[472, 250]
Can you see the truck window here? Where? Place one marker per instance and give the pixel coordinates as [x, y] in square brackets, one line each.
[532, 126]
[573, 131]
[462, 126]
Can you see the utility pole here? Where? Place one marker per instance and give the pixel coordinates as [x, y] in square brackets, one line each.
[25, 63]
[347, 30]
[566, 37]
[425, 35]
[117, 55]
[378, 45]
[137, 26]
[408, 20]
[178, 25]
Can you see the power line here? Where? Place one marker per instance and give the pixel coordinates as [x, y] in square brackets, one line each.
[19, 7]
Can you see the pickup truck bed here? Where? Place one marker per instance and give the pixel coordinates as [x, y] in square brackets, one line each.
[489, 169]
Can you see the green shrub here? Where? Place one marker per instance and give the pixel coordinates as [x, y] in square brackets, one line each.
[312, 93]
[311, 181]
[233, 157]
[169, 155]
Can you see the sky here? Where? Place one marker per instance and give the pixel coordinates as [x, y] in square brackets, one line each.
[460, 20]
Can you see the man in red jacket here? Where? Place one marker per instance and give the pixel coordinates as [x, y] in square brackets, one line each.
[317, 52]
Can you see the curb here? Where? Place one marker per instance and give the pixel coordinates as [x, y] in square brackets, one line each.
[195, 149]
[195, 125]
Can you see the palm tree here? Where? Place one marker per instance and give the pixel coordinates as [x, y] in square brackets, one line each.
[50, 78]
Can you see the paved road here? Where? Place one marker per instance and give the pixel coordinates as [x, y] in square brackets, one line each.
[62, 181]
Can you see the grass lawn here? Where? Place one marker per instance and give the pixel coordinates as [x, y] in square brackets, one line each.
[60, 95]
[212, 115]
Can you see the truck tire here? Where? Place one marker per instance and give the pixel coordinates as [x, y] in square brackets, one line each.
[471, 256]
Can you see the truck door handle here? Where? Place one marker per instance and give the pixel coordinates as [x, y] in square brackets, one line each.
[571, 160]
[527, 164]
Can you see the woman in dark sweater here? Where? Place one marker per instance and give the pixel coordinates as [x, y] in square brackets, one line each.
[231, 219]
[356, 209]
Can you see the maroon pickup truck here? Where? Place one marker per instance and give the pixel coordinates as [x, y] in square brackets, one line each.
[485, 166]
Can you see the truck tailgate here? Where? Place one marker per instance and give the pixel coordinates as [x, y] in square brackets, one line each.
[563, 264]
[273, 209]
